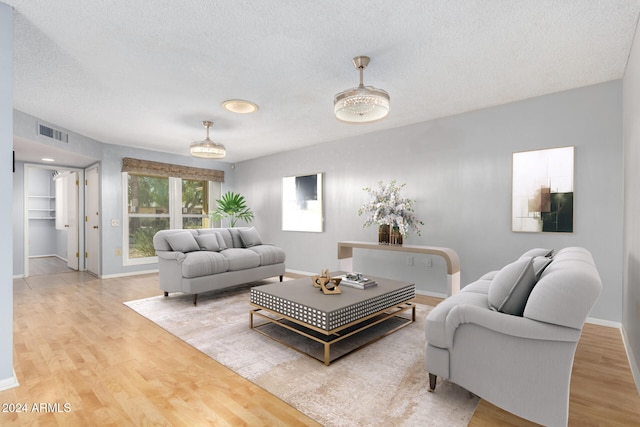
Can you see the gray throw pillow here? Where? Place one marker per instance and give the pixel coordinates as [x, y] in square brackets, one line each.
[208, 242]
[510, 289]
[537, 252]
[221, 243]
[250, 237]
[182, 242]
[539, 264]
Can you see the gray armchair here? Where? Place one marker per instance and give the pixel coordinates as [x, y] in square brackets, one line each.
[520, 357]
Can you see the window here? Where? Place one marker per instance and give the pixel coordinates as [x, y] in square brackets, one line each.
[159, 203]
[195, 203]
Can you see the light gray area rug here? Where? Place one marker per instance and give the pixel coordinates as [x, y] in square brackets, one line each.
[383, 384]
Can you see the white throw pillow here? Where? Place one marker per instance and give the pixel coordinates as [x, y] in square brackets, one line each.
[510, 289]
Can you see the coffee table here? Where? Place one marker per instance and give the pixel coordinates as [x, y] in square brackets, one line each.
[299, 307]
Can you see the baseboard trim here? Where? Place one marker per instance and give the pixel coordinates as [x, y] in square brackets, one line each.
[431, 294]
[133, 273]
[633, 363]
[10, 382]
[302, 273]
[604, 322]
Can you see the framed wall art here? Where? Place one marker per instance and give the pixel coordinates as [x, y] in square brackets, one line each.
[542, 190]
[302, 203]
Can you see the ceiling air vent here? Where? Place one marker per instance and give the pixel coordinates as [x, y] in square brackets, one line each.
[53, 133]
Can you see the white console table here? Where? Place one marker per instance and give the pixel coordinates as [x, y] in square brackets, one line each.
[345, 258]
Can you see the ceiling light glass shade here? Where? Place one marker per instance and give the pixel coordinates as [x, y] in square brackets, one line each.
[207, 149]
[240, 106]
[361, 104]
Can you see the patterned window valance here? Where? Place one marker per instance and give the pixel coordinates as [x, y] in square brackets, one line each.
[147, 167]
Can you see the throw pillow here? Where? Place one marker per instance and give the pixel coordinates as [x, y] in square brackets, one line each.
[236, 241]
[537, 252]
[221, 243]
[250, 237]
[510, 289]
[539, 264]
[182, 242]
[208, 242]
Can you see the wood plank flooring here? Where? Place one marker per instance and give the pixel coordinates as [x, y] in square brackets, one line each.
[75, 343]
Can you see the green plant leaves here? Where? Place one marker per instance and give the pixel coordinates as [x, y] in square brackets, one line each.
[232, 206]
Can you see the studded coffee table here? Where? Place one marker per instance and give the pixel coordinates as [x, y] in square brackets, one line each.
[297, 306]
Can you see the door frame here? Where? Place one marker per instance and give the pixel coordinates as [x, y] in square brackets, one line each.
[84, 218]
[81, 238]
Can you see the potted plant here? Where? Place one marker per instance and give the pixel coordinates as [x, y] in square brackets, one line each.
[393, 214]
[232, 206]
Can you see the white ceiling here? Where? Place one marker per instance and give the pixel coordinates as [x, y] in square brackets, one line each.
[146, 73]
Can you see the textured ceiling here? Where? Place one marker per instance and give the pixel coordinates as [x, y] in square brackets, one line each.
[146, 73]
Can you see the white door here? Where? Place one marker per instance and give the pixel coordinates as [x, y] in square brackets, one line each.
[72, 220]
[92, 220]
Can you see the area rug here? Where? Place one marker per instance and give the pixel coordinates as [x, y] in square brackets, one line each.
[383, 384]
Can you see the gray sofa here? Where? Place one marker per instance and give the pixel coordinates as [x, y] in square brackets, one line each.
[510, 337]
[199, 260]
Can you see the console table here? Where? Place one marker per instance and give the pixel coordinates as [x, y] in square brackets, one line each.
[345, 258]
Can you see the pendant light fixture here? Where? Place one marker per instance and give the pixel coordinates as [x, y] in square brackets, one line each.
[207, 149]
[361, 104]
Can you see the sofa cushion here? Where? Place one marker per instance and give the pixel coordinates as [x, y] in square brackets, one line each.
[480, 286]
[269, 254]
[537, 252]
[250, 237]
[209, 242]
[203, 263]
[489, 276]
[241, 259]
[183, 241]
[236, 240]
[510, 289]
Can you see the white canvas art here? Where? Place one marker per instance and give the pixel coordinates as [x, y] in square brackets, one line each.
[302, 203]
[542, 199]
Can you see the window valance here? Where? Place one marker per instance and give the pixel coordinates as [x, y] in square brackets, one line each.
[147, 167]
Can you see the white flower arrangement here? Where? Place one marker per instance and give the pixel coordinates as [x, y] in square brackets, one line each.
[388, 208]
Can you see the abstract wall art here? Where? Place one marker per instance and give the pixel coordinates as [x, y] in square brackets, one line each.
[542, 197]
[302, 203]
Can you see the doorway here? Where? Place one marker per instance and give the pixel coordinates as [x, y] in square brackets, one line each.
[52, 209]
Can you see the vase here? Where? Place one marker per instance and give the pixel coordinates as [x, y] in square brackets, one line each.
[395, 238]
[383, 235]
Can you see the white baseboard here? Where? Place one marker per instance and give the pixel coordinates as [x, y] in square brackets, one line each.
[303, 273]
[604, 322]
[11, 382]
[431, 294]
[133, 273]
[635, 369]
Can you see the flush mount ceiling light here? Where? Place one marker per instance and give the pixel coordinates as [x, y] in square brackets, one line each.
[239, 106]
[207, 149]
[361, 104]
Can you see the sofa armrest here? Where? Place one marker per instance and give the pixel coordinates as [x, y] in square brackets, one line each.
[506, 324]
[171, 255]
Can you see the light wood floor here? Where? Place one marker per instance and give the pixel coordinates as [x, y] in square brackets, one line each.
[75, 343]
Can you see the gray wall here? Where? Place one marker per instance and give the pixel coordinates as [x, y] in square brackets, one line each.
[458, 169]
[631, 256]
[109, 156]
[7, 378]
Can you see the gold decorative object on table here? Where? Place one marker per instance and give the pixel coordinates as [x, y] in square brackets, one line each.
[327, 284]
